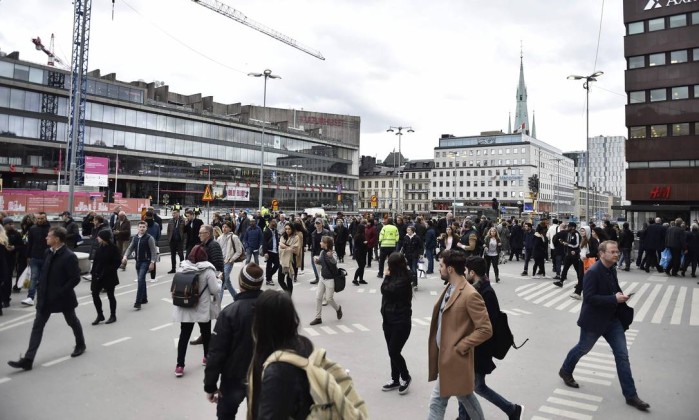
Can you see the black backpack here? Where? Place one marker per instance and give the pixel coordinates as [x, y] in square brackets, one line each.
[185, 290]
[502, 337]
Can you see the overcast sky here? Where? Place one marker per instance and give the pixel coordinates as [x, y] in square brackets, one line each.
[439, 66]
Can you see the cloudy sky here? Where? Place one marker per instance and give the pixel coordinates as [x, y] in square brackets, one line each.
[444, 66]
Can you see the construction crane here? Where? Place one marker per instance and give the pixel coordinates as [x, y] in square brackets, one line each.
[49, 101]
[239, 17]
[53, 59]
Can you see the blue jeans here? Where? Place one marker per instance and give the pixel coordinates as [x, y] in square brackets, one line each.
[617, 341]
[141, 269]
[315, 266]
[249, 253]
[527, 257]
[227, 268]
[438, 405]
[490, 395]
[557, 260]
[429, 254]
[35, 265]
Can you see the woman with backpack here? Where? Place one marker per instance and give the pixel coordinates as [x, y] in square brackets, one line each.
[106, 261]
[196, 263]
[327, 259]
[289, 245]
[231, 248]
[396, 312]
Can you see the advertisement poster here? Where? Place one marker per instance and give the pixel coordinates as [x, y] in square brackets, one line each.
[96, 171]
[237, 194]
[55, 202]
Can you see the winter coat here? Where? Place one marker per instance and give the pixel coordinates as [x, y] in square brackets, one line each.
[252, 238]
[626, 239]
[207, 277]
[315, 240]
[540, 245]
[430, 238]
[191, 233]
[214, 254]
[412, 247]
[483, 362]
[36, 240]
[370, 236]
[180, 229]
[516, 237]
[328, 264]
[95, 244]
[286, 255]
[73, 233]
[104, 267]
[59, 276]
[122, 230]
[529, 240]
[396, 300]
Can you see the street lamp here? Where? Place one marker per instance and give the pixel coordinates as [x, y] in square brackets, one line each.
[159, 166]
[392, 129]
[208, 203]
[296, 188]
[267, 74]
[453, 205]
[586, 85]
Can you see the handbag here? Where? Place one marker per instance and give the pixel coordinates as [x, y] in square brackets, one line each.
[26, 277]
[665, 258]
[587, 263]
[241, 257]
[625, 314]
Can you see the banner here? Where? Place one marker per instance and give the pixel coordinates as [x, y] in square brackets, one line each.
[96, 171]
[34, 201]
[237, 194]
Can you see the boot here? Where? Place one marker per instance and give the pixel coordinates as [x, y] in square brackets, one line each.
[197, 341]
[112, 319]
[22, 363]
[99, 319]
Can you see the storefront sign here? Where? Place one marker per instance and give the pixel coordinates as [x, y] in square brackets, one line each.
[660, 192]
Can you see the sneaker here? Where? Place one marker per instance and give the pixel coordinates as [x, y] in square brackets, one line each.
[575, 296]
[316, 321]
[362, 282]
[390, 386]
[203, 361]
[179, 371]
[28, 302]
[524, 273]
[557, 277]
[16, 289]
[355, 282]
[404, 385]
[153, 280]
[339, 313]
[301, 272]
[137, 306]
[379, 275]
[558, 283]
[518, 414]
[536, 276]
[314, 281]
[325, 302]
[415, 288]
[270, 283]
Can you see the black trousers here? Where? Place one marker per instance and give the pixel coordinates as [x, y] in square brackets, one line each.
[539, 265]
[674, 265]
[272, 266]
[21, 265]
[492, 261]
[40, 321]
[229, 400]
[396, 336]
[385, 252]
[286, 281]
[186, 332]
[98, 302]
[175, 251]
[652, 260]
[360, 257]
[575, 261]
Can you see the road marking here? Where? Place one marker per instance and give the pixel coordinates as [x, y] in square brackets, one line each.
[541, 291]
[579, 395]
[522, 311]
[511, 312]
[119, 340]
[311, 332]
[658, 316]
[360, 290]
[537, 287]
[593, 381]
[547, 296]
[3, 380]
[595, 360]
[17, 319]
[524, 287]
[575, 309]
[421, 322]
[573, 404]
[328, 330]
[694, 314]
[167, 300]
[16, 324]
[595, 366]
[564, 294]
[622, 284]
[428, 318]
[631, 288]
[125, 293]
[57, 361]
[433, 293]
[345, 329]
[639, 295]
[679, 305]
[567, 303]
[360, 327]
[160, 327]
[372, 291]
[540, 418]
[177, 341]
[595, 354]
[564, 413]
[594, 373]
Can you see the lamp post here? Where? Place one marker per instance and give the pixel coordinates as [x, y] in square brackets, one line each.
[586, 85]
[558, 183]
[159, 166]
[392, 129]
[296, 188]
[267, 74]
[208, 203]
[453, 205]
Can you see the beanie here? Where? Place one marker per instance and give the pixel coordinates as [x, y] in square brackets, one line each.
[197, 254]
[251, 277]
[105, 235]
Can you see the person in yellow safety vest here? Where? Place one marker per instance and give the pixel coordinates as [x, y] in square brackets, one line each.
[388, 238]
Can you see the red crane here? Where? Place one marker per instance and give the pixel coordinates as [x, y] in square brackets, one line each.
[49, 52]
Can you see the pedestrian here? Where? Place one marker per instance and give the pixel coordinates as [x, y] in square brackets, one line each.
[528, 242]
[692, 254]
[551, 231]
[371, 238]
[493, 247]
[56, 293]
[284, 391]
[504, 235]
[36, 249]
[5, 274]
[341, 234]
[289, 247]
[300, 229]
[655, 243]
[196, 263]
[114, 217]
[388, 238]
[516, 240]
[143, 245]
[104, 274]
[469, 239]
[122, 231]
[88, 224]
[360, 253]
[570, 240]
[642, 255]
[316, 236]
[99, 225]
[430, 245]
[459, 322]
[191, 231]
[327, 260]
[676, 242]
[448, 240]
[175, 237]
[412, 249]
[539, 252]
[211, 246]
[483, 353]
[610, 231]
[625, 246]
[15, 250]
[73, 230]
[599, 317]
[231, 346]
[396, 313]
[155, 231]
[252, 241]
[20, 247]
[232, 249]
[270, 251]
[589, 245]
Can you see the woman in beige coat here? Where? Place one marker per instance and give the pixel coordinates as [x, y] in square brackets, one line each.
[289, 248]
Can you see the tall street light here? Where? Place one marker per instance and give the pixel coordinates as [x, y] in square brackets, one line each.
[296, 188]
[453, 206]
[392, 129]
[586, 85]
[159, 166]
[267, 74]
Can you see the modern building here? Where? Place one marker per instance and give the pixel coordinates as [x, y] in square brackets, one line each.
[160, 142]
[607, 165]
[600, 204]
[661, 48]
[416, 186]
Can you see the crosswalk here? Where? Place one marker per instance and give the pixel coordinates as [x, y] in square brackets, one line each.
[335, 329]
[657, 303]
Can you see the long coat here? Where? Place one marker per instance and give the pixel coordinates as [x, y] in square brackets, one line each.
[104, 267]
[288, 254]
[59, 276]
[465, 325]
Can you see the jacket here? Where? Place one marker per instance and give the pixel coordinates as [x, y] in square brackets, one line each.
[516, 237]
[36, 241]
[655, 237]
[59, 276]
[396, 300]
[599, 307]
[73, 230]
[180, 229]
[214, 253]
[540, 245]
[284, 393]
[328, 265]
[483, 362]
[412, 247]
[626, 239]
[529, 240]
[191, 233]
[315, 240]
[430, 238]
[231, 247]
[370, 236]
[675, 238]
[465, 325]
[469, 240]
[252, 238]
[95, 232]
[144, 247]
[104, 267]
[230, 349]
[388, 237]
[122, 230]
[287, 255]
[269, 236]
[208, 281]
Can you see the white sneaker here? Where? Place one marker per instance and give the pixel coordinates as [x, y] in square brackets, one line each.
[135, 280]
[576, 296]
[153, 280]
[28, 301]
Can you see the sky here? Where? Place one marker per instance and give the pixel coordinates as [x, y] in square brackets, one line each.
[440, 67]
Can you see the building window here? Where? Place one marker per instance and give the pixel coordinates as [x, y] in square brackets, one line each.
[695, 18]
[695, 54]
[696, 128]
[681, 129]
[658, 95]
[677, 57]
[522, 149]
[659, 164]
[637, 132]
[441, 184]
[659, 130]
[635, 28]
[637, 62]
[637, 97]
[656, 24]
[657, 59]
[678, 21]
[681, 92]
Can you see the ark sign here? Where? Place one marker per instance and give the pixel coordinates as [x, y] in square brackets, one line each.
[657, 4]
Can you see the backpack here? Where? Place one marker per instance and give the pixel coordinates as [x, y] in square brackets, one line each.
[502, 337]
[241, 257]
[332, 389]
[185, 290]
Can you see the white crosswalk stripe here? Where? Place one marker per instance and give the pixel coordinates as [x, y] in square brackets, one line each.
[679, 305]
[694, 314]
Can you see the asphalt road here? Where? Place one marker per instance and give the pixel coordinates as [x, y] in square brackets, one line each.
[127, 371]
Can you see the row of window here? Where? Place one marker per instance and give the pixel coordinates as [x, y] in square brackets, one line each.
[475, 183]
[663, 58]
[661, 23]
[484, 162]
[477, 152]
[411, 175]
[512, 194]
[661, 130]
[663, 94]
[483, 172]
[664, 164]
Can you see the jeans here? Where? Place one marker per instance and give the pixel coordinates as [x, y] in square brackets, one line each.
[396, 336]
[186, 332]
[326, 287]
[626, 255]
[429, 255]
[527, 257]
[229, 400]
[35, 265]
[438, 405]
[227, 268]
[315, 266]
[557, 259]
[617, 341]
[490, 395]
[141, 292]
[639, 257]
[249, 254]
[38, 330]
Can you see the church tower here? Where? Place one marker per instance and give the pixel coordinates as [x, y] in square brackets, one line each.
[521, 114]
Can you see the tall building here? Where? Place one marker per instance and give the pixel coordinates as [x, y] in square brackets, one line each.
[378, 186]
[607, 165]
[416, 184]
[521, 113]
[661, 48]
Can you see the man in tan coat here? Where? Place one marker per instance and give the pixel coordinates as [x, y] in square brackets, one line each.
[460, 322]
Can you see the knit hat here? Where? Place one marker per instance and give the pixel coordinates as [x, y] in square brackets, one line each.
[251, 277]
[105, 235]
[197, 254]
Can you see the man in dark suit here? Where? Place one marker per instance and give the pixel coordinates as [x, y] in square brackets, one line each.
[59, 277]
[175, 236]
[600, 317]
[654, 243]
[191, 230]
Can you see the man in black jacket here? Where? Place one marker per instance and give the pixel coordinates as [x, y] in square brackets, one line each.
[270, 250]
[655, 243]
[213, 248]
[56, 294]
[231, 346]
[175, 236]
[676, 242]
[191, 231]
[625, 245]
[36, 246]
[73, 230]
[571, 253]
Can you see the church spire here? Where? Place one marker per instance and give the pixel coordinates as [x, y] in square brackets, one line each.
[509, 123]
[534, 124]
[521, 114]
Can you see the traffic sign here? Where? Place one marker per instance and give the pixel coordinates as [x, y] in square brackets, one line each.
[275, 205]
[207, 195]
[374, 201]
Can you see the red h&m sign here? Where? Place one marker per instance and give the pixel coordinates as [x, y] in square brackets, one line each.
[660, 192]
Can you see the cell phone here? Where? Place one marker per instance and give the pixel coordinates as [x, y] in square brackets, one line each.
[631, 294]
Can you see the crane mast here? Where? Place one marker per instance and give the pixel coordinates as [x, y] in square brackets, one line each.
[239, 17]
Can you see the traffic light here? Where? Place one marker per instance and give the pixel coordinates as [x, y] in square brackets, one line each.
[534, 183]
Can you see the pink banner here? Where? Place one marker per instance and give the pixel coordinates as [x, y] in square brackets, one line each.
[54, 202]
[96, 165]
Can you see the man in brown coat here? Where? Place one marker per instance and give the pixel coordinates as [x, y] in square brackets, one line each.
[122, 232]
[460, 322]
